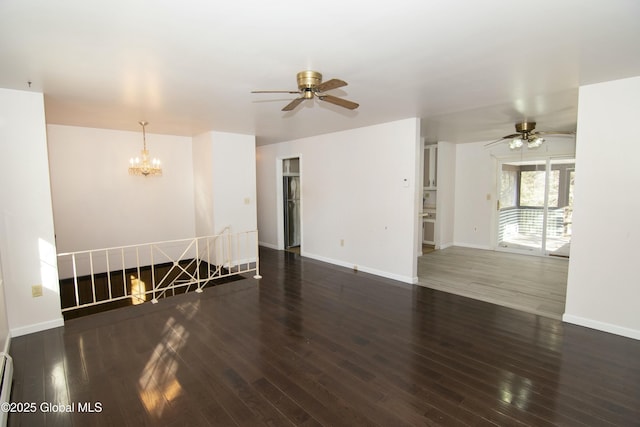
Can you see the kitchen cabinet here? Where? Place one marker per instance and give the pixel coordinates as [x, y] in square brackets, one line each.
[429, 195]
[429, 227]
[430, 166]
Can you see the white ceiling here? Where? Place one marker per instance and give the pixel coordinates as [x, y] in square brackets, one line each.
[469, 69]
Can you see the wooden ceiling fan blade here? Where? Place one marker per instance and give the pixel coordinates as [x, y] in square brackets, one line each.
[492, 143]
[339, 101]
[275, 91]
[293, 104]
[513, 135]
[559, 133]
[330, 84]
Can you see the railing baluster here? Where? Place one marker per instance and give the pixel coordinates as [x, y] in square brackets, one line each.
[108, 274]
[257, 276]
[139, 279]
[137, 266]
[75, 279]
[153, 273]
[93, 281]
[229, 252]
[208, 259]
[124, 274]
[236, 260]
[199, 285]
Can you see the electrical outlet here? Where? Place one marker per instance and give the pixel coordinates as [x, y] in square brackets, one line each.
[36, 291]
[341, 242]
[247, 200]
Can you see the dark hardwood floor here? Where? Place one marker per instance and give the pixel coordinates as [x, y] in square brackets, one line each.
[315, 344]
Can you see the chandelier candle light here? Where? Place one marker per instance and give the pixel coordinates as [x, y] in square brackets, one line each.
[144, 166]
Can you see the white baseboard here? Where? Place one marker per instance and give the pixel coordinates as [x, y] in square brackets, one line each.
[472, 246]
[445, 245]
[37, 327]
[364, 269]
[268, 245]
[240, 262]
[602, 326]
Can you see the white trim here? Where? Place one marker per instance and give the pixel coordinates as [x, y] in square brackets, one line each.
[472, 246]
[240, 262]
[601, 326]
[7, 343]
[445, 245]
[268, 245]
[37, 327]
[280, 201]
[364, 269]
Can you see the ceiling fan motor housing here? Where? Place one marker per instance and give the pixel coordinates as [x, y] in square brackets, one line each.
[526, 129]
[308, 79]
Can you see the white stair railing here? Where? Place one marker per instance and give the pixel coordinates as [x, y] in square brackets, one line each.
[154, 270]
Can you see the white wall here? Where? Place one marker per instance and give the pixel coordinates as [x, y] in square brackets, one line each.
[234, 181]
[445, 209]
[474, 179]
[224, 182]
[203, 185]
[27, 239]
[97, 204]
[353, 188]
[5, 337]
[604, 289]
[267, 182]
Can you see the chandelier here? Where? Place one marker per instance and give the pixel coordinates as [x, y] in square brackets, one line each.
[143, 165]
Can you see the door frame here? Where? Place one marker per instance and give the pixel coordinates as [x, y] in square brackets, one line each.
[280, 201]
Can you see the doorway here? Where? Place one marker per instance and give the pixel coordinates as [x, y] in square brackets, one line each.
[291, 204]
[535, 206]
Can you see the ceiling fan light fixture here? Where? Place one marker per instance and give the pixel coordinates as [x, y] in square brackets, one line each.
[537, 142]
[516, 143]
[526, 134]
[307, 93]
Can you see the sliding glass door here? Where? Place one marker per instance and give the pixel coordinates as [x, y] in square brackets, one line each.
[535, 205]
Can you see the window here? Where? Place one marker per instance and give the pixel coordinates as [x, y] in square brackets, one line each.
[508, 188]
[572, 180]
[532, 188]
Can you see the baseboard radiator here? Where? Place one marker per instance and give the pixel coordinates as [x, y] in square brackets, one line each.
[6, 377]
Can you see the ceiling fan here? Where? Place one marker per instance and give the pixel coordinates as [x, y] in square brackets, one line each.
[310, 85]
[526, 134]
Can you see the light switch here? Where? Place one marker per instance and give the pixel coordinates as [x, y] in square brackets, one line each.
[36, 291]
